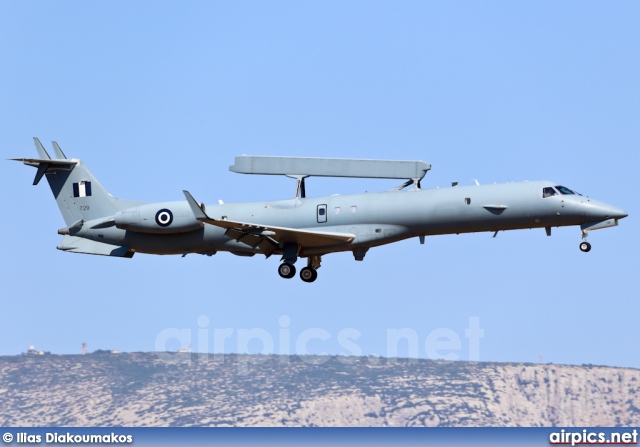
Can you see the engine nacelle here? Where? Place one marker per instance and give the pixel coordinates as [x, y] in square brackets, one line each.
[164, 218]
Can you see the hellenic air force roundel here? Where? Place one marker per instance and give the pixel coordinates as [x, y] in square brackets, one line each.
[164, 217]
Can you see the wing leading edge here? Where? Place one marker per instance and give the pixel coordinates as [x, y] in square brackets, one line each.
[268, 237]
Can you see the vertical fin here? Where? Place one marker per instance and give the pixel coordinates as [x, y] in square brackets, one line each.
[59, 154]
[79, 195]
[42, 153]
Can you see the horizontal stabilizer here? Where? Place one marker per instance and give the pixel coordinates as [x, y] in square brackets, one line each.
[36, 161]
[46, 165]
[75, 244]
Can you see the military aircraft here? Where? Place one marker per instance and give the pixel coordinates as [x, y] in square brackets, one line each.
[306, 227]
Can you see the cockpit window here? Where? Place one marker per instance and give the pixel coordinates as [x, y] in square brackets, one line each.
[549, 192]
[564, 190]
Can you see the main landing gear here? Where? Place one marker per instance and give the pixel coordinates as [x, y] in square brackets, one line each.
[308, 274]
[287, 270]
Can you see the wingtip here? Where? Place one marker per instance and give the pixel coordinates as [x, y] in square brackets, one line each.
[196, 209]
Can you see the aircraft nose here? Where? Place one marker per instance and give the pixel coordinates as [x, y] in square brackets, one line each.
[622, 214]
[606, 211]
[615, 212]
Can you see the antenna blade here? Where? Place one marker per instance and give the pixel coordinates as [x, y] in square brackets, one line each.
[42, 153]
[59, 154]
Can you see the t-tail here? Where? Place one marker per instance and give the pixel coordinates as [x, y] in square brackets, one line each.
[80, 197]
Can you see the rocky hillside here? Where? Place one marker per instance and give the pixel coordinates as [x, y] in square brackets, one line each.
[147, 389]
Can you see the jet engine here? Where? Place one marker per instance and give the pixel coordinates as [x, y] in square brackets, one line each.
[162, 218]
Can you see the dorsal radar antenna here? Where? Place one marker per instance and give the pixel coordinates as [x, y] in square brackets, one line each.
[299, 168]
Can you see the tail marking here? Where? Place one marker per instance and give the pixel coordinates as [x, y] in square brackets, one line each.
[82, 189]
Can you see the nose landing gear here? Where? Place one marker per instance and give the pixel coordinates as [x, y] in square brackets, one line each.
[584, 245]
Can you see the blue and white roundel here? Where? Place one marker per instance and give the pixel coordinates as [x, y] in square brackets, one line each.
[164, 217]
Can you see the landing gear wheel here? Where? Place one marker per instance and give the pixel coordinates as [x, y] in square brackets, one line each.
[308, 274]
[585, 246]
[287, 270]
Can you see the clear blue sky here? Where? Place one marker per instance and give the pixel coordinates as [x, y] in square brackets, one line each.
[157, 97]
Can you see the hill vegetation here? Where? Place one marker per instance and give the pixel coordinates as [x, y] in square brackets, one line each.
[161, 389]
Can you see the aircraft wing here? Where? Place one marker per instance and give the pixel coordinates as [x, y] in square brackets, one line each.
[267, 237]
[305, 238]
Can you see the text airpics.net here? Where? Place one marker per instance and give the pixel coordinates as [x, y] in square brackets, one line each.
[592, 437]
[440, 343]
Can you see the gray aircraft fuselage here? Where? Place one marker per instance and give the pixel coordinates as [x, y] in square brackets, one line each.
[307, 227]
[376, 218]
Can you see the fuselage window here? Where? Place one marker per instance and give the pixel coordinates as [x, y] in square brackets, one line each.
[467, 201]
[353, 209]
[321, 213]
[549, 192]
[337, 210]
[564, 190]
